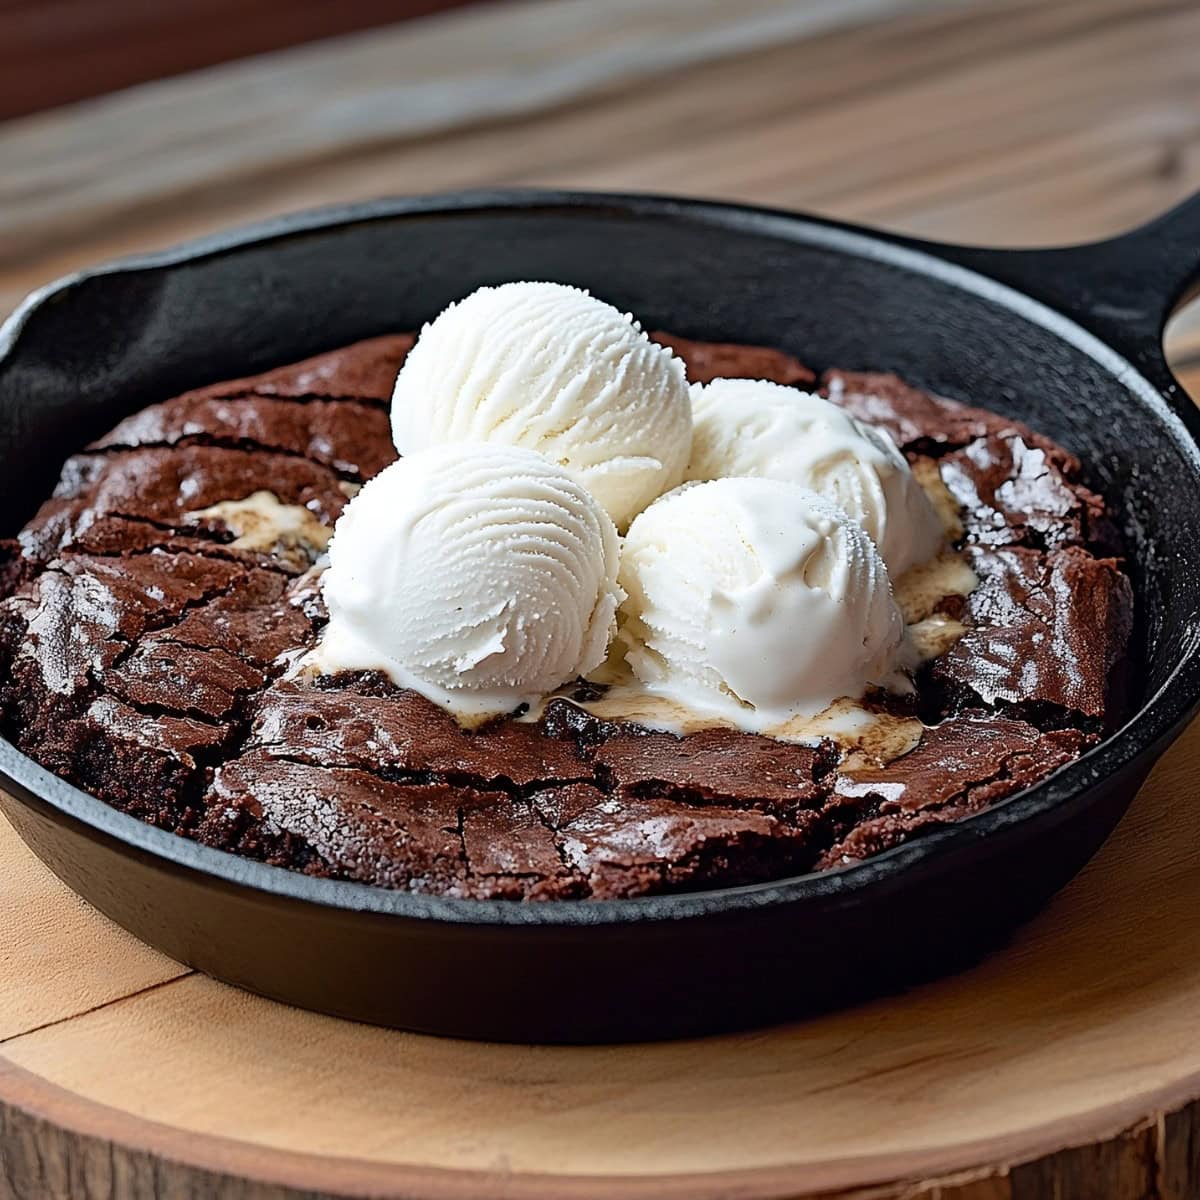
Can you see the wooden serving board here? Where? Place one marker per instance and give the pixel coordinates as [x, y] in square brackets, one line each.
[1066, 1065]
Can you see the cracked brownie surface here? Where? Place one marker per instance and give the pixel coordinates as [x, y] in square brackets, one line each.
[151, 609]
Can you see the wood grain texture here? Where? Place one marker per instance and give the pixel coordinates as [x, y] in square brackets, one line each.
[96, 1161]
[1003, 121]
[1065, 1066]
[139, 149]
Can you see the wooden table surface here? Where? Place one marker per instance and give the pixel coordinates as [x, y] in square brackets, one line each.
[97, 48]
[997, 121]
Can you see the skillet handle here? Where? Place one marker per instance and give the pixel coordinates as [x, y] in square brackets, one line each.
[1123, 289]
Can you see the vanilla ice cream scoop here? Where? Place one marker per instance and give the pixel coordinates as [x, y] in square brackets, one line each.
[752, 427]
[755, 600]
[552, 368]
[481, 576]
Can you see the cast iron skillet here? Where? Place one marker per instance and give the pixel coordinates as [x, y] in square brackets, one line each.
[1068, 339]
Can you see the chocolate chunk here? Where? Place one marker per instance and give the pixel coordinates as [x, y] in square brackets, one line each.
[562, 719]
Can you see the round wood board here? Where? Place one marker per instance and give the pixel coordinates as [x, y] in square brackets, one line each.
[1066, 1065]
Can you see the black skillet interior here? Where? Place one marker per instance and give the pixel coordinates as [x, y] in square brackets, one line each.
[96, 347]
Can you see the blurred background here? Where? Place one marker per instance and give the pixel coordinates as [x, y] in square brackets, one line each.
[130, 124]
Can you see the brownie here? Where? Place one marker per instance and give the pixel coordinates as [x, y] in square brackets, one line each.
[962, 766]
[622, 846]
[715, 766]
[1012, 492]
[149, 631]
[362, 727]
[707, 361]
[918, 421]
[350, 438]
[158, 487]
[364, 373]
[1046, 631]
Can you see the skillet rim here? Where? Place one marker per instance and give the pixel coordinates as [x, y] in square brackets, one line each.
[1157, 720]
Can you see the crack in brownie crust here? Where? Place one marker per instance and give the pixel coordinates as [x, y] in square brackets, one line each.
[143, 655]
[351, 438]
